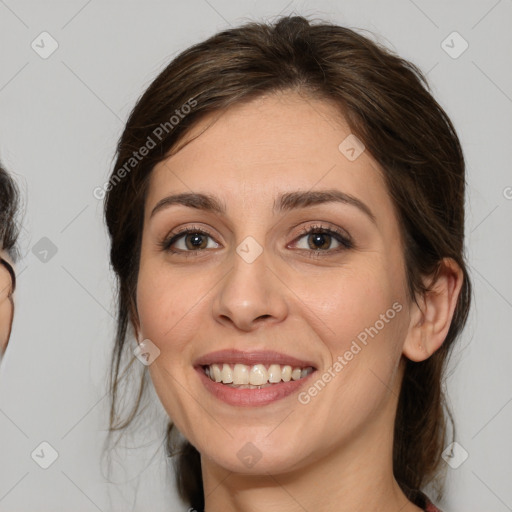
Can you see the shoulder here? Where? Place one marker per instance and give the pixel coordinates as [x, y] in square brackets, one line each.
[430, 507]
[423, 501]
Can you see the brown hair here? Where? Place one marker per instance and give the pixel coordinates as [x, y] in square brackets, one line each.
[386, 102]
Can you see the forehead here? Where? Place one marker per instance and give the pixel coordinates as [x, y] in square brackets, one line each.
[253, 151]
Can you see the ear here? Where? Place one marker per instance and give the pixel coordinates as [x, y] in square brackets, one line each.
[431, 321]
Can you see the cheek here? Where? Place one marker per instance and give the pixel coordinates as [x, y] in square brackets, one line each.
[352, 302]
[168, 305]
[363, 317]
[168, 311]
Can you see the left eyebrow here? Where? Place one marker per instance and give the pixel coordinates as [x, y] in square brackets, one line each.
[293, 200]
[285, 202]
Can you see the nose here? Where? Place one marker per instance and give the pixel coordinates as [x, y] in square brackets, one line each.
[250, 295]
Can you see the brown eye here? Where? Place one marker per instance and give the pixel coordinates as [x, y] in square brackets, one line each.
[196, 241]
[319, 239]
[189, 240]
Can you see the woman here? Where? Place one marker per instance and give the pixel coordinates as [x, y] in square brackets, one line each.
[286, 217]
[8, 236]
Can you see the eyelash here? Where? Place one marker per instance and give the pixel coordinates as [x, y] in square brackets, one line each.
[346, 242]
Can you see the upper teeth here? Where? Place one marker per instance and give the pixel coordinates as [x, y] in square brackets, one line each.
[256, 375]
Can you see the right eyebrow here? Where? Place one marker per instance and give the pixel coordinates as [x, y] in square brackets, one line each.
[192, 200]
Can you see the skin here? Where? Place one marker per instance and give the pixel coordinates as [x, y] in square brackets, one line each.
[334, 453]
[6, 305]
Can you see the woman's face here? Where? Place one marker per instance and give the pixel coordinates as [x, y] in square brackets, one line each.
[254, 283]
[6, 304]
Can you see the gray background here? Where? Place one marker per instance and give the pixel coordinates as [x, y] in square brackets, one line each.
[60, 119]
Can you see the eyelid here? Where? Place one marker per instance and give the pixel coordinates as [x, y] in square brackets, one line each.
[341, 236]
[326, 227]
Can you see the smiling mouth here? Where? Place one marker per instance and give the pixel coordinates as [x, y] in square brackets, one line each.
[255, 376]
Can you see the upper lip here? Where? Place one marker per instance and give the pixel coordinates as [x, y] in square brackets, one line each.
[233, 356]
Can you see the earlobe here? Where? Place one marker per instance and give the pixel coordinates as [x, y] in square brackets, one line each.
[430, 322]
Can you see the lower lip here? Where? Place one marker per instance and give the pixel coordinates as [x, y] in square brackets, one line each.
[251, 397]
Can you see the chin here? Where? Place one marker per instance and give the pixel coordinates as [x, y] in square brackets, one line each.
[250, 461]
[253, 455]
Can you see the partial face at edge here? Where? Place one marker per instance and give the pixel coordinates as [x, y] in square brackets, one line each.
[6, 304]
[306, 295]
